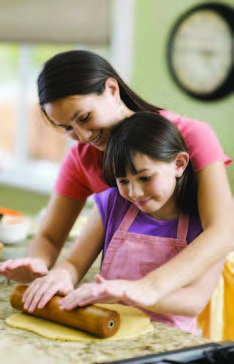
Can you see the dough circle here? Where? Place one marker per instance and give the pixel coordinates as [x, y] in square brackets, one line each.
[133, 323]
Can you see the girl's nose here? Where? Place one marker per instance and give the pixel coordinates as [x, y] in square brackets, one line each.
[83, 135]
[135, 191]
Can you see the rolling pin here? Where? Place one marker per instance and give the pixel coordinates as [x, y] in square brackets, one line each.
[95, 320]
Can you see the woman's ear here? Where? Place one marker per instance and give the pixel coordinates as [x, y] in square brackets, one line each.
[112, 87]
[181, 163]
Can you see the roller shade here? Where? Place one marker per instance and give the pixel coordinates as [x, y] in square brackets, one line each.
[55, 21]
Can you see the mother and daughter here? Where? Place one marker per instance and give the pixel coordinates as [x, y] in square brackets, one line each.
[163, 230]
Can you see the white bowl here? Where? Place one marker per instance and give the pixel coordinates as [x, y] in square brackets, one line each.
[15, 231]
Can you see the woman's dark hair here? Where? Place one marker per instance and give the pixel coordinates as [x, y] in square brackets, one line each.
[158, 138]
[80, 72]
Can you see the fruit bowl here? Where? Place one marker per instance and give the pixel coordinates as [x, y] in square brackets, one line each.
[13, 229]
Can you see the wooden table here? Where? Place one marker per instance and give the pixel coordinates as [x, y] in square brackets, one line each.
[17, 343]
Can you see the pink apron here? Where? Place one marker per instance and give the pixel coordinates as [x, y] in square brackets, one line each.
[131, 256]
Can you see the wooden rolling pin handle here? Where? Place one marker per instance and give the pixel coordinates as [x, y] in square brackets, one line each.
[93, 319]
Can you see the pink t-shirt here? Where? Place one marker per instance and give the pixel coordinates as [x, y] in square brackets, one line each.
[81, 172]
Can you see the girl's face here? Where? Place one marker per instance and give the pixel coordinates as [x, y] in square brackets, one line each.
[89, 118]
[152, 188]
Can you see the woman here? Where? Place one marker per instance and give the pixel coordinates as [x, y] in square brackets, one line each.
[82, 94]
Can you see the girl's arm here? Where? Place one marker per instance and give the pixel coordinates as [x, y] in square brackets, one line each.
[216, 212]
[65, 275]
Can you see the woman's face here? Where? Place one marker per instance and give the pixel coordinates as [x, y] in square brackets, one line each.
[89, 118]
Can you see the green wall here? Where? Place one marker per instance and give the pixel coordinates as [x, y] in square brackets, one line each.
[28, 202]
[153, 22]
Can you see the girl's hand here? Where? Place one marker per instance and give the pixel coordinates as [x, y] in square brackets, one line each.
[23, 270]
[40, 292]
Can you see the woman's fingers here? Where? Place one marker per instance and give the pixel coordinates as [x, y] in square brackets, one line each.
[87, 293]
[99, 279]
[4, 265]
[23, 270]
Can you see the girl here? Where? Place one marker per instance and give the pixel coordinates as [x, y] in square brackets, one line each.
[82, 94]
[143, 223]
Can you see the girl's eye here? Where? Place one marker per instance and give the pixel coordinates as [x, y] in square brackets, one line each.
[84, 118]
[123, 181]
[146, 179]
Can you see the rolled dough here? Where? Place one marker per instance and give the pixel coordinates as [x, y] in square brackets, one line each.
[133, 323]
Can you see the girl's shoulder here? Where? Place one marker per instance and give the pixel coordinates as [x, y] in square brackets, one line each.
[111, 197]
[112, 206]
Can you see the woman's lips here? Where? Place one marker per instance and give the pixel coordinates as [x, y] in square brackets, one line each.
[97, 139]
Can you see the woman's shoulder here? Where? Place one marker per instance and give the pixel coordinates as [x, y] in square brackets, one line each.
[84, 152]
[86, 158]
[184, 122]
[202, 143]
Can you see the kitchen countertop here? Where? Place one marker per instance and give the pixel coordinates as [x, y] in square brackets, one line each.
[47, 351]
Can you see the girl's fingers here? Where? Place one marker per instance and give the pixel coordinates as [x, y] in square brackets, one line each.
[51, 292]
[43, 296]
[36, 289]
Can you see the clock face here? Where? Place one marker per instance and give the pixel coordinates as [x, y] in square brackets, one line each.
[200, 52]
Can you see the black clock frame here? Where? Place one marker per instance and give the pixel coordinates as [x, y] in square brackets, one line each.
[227, 87]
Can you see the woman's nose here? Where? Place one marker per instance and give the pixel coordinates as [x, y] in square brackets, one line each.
[83, 134]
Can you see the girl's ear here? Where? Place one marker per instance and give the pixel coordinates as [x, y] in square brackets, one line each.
[112, 87]
[181, 163]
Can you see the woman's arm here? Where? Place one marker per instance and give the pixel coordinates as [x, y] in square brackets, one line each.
[187, 301]
[44, 249]
[65, 275]
[216, 212]
[59, 218]
[190, 300]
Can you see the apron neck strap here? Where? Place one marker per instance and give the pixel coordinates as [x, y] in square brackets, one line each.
[128, 218]
[132, 212]
[183, 224]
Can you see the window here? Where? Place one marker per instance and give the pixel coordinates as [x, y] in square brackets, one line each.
[30, 150]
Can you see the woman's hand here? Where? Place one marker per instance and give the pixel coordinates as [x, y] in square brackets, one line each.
[23, 270]
[40, 292]
[110, 291]
[101, 291]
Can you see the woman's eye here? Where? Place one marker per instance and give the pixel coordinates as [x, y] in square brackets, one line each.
[146, 179]
[84, 118]
[68, 128]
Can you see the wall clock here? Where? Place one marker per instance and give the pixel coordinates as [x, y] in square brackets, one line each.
[200, 51]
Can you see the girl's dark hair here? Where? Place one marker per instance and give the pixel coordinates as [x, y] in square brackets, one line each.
[80, 72]
[158, 138]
